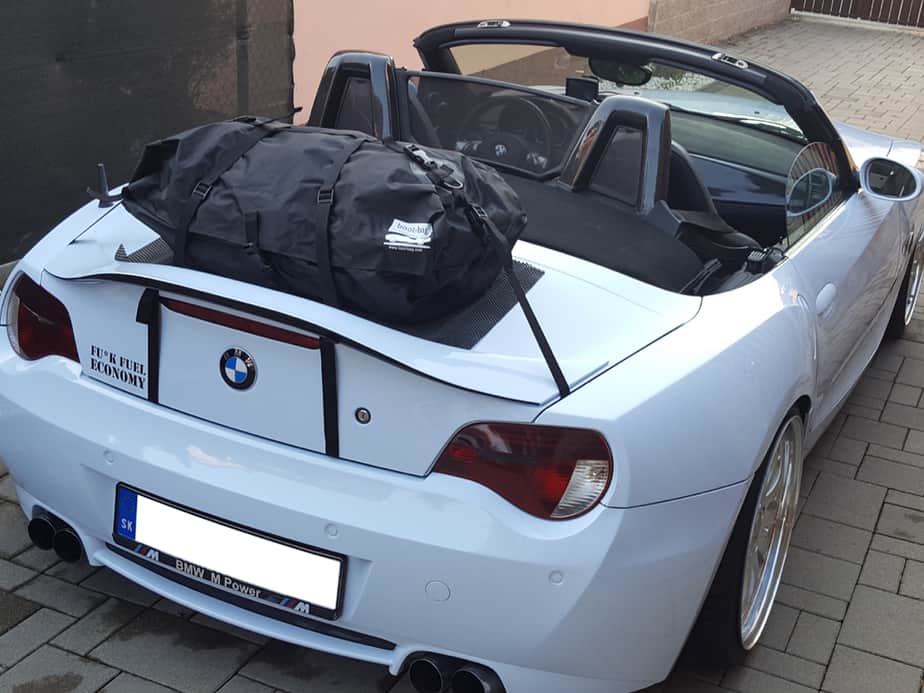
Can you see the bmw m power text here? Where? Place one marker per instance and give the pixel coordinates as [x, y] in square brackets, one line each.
[712, 262]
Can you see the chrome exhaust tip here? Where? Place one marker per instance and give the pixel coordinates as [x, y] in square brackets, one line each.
[474, 678]
[42, 532]
[67, 545]
[431, 674]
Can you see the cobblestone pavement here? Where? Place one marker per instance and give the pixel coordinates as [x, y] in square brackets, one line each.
[850, 614]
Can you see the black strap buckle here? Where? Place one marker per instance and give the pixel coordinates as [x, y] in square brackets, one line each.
[201, 189]
[325, 196]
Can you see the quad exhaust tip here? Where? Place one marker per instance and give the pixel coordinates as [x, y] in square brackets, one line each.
[49, 532]
[437, 674]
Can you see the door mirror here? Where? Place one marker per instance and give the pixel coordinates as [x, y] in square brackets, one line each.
[622, 73]
[810, 191]
[889, 179]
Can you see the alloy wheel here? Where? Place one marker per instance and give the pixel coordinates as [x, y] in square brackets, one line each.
[914, 285]
[771, 531]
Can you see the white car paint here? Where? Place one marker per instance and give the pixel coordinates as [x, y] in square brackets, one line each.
[688, 393]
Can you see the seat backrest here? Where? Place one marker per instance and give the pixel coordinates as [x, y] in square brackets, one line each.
[685, 188]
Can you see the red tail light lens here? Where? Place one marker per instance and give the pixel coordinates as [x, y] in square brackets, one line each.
[38, 323]
[551, 472]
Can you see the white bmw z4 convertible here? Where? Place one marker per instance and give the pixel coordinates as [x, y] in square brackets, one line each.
[713, 262]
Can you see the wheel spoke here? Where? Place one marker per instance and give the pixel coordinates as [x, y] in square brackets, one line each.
[771, 528]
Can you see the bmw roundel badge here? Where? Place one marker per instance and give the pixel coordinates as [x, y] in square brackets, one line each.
[237, 368]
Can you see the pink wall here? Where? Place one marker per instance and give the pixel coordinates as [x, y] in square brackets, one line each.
[389, 26]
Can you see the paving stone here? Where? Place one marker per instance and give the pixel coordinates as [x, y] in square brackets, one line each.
[860, 428]
[882, 570]
[892, 474]
[831, 538]
[913, 580]
[50, 670]
[887, 362]
[200, 659]
[295, 669]
[96, 626]
[808, 481]
[902, 456]
[873, 387]
[814, 603]
[851, 502]
[906, 500]
[786, 666]
[60, 595]
[241, 633]
[853, 671]
[819, 573]
[905, 394]
[239, 684]
[911, 373]
[813, 638]
[172, 608]
[915, 442]
[14, 609]
[113, 584]
[13, 536]
[36, 559]
[126, 683]
[897, 547]
[682, 684]
[848, 450]
[749, 680]
[779, 627]
[903, 523]
[72, 572]
[12, 575]
[885, 624]
[823, 464]
[901, 415]
[31, 634]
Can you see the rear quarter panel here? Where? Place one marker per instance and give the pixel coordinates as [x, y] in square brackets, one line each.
[698, 409]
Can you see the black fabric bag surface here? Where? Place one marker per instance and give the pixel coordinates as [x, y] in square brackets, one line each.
[389, 231]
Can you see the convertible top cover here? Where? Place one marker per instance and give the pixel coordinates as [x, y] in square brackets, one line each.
[389, 231]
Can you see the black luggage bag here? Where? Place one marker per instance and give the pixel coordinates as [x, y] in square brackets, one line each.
[386, 230]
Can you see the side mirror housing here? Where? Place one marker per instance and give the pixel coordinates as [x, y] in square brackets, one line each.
[889, 180]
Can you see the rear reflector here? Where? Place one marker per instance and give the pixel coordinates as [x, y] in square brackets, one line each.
[38, 323]
[549, 471]
[235, 322]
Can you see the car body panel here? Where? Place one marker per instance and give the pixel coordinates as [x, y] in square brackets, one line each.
[688, 392]
[505, 363]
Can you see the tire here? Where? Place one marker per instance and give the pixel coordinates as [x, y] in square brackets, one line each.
[900, 311]
[718, 635]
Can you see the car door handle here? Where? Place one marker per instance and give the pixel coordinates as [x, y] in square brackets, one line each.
[825, 299]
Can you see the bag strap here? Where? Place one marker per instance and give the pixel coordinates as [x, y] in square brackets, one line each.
[325, 203]
[442, 176]
[201, 189]
[480, 216]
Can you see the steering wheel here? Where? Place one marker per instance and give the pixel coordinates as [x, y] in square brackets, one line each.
[507, 147]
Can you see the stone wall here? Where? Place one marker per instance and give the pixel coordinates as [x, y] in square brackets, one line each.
[710, 21]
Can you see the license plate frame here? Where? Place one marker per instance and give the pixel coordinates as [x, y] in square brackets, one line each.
[166, 562]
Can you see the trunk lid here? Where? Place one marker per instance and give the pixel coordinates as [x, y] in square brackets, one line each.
[211, 330]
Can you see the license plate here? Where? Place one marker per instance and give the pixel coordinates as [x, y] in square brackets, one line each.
[229, 558]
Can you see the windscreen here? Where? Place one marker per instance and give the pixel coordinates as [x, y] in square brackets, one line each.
[513, 127]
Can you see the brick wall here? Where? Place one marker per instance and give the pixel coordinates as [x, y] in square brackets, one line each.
[710, 21]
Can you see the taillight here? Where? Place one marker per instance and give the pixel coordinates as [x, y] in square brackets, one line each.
[38, 323]
[549, 471]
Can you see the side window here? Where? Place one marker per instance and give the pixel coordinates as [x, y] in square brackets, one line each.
[812, 190]
[619, 172]
[355, 111]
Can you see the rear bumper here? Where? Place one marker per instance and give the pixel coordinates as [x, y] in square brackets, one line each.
[599, 603]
